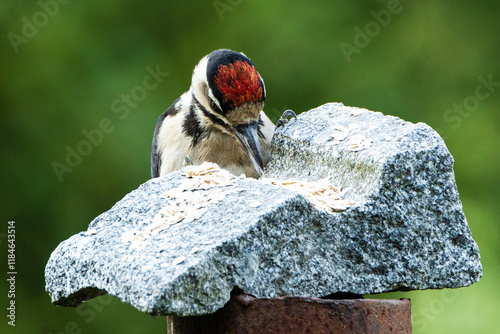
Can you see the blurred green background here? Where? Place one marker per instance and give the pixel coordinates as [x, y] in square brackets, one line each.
[66, 66]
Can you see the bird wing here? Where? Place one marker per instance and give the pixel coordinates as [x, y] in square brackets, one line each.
[155, 155]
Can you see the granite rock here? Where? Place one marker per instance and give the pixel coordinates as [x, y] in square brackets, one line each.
[168, 251]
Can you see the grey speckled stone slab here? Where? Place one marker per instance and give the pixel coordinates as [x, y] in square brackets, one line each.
[405, 229]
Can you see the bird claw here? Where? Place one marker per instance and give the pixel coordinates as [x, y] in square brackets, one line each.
[187, 161]
[284, 118]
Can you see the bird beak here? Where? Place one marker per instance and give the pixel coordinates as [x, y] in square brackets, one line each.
[249, 138]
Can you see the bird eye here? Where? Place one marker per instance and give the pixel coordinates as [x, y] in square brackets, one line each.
[214, 106]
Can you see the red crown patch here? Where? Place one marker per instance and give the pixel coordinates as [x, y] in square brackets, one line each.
[239, 83]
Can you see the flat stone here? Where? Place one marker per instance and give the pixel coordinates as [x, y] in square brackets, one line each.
[180, 244]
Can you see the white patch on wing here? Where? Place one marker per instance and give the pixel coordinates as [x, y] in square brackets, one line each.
[172, 143]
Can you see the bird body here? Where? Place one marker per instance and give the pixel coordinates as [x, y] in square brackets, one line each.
[219, 119]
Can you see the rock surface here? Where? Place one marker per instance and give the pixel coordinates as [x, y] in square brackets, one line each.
[180, 244]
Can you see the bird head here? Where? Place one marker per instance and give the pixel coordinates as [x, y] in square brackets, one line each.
[228, 86]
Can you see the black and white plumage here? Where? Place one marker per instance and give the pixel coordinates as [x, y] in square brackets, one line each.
[220, 119]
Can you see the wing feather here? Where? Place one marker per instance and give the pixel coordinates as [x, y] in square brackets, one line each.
[155, 155]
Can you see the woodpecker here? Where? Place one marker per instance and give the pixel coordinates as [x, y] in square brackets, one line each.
[219, 119]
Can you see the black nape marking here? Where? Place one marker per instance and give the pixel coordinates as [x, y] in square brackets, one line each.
[191, 126]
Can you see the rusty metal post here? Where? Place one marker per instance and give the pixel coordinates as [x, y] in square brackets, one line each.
[246, 314]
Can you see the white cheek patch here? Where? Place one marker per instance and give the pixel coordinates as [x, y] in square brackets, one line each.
[199, 82]
[200, 72]
[199, 85]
